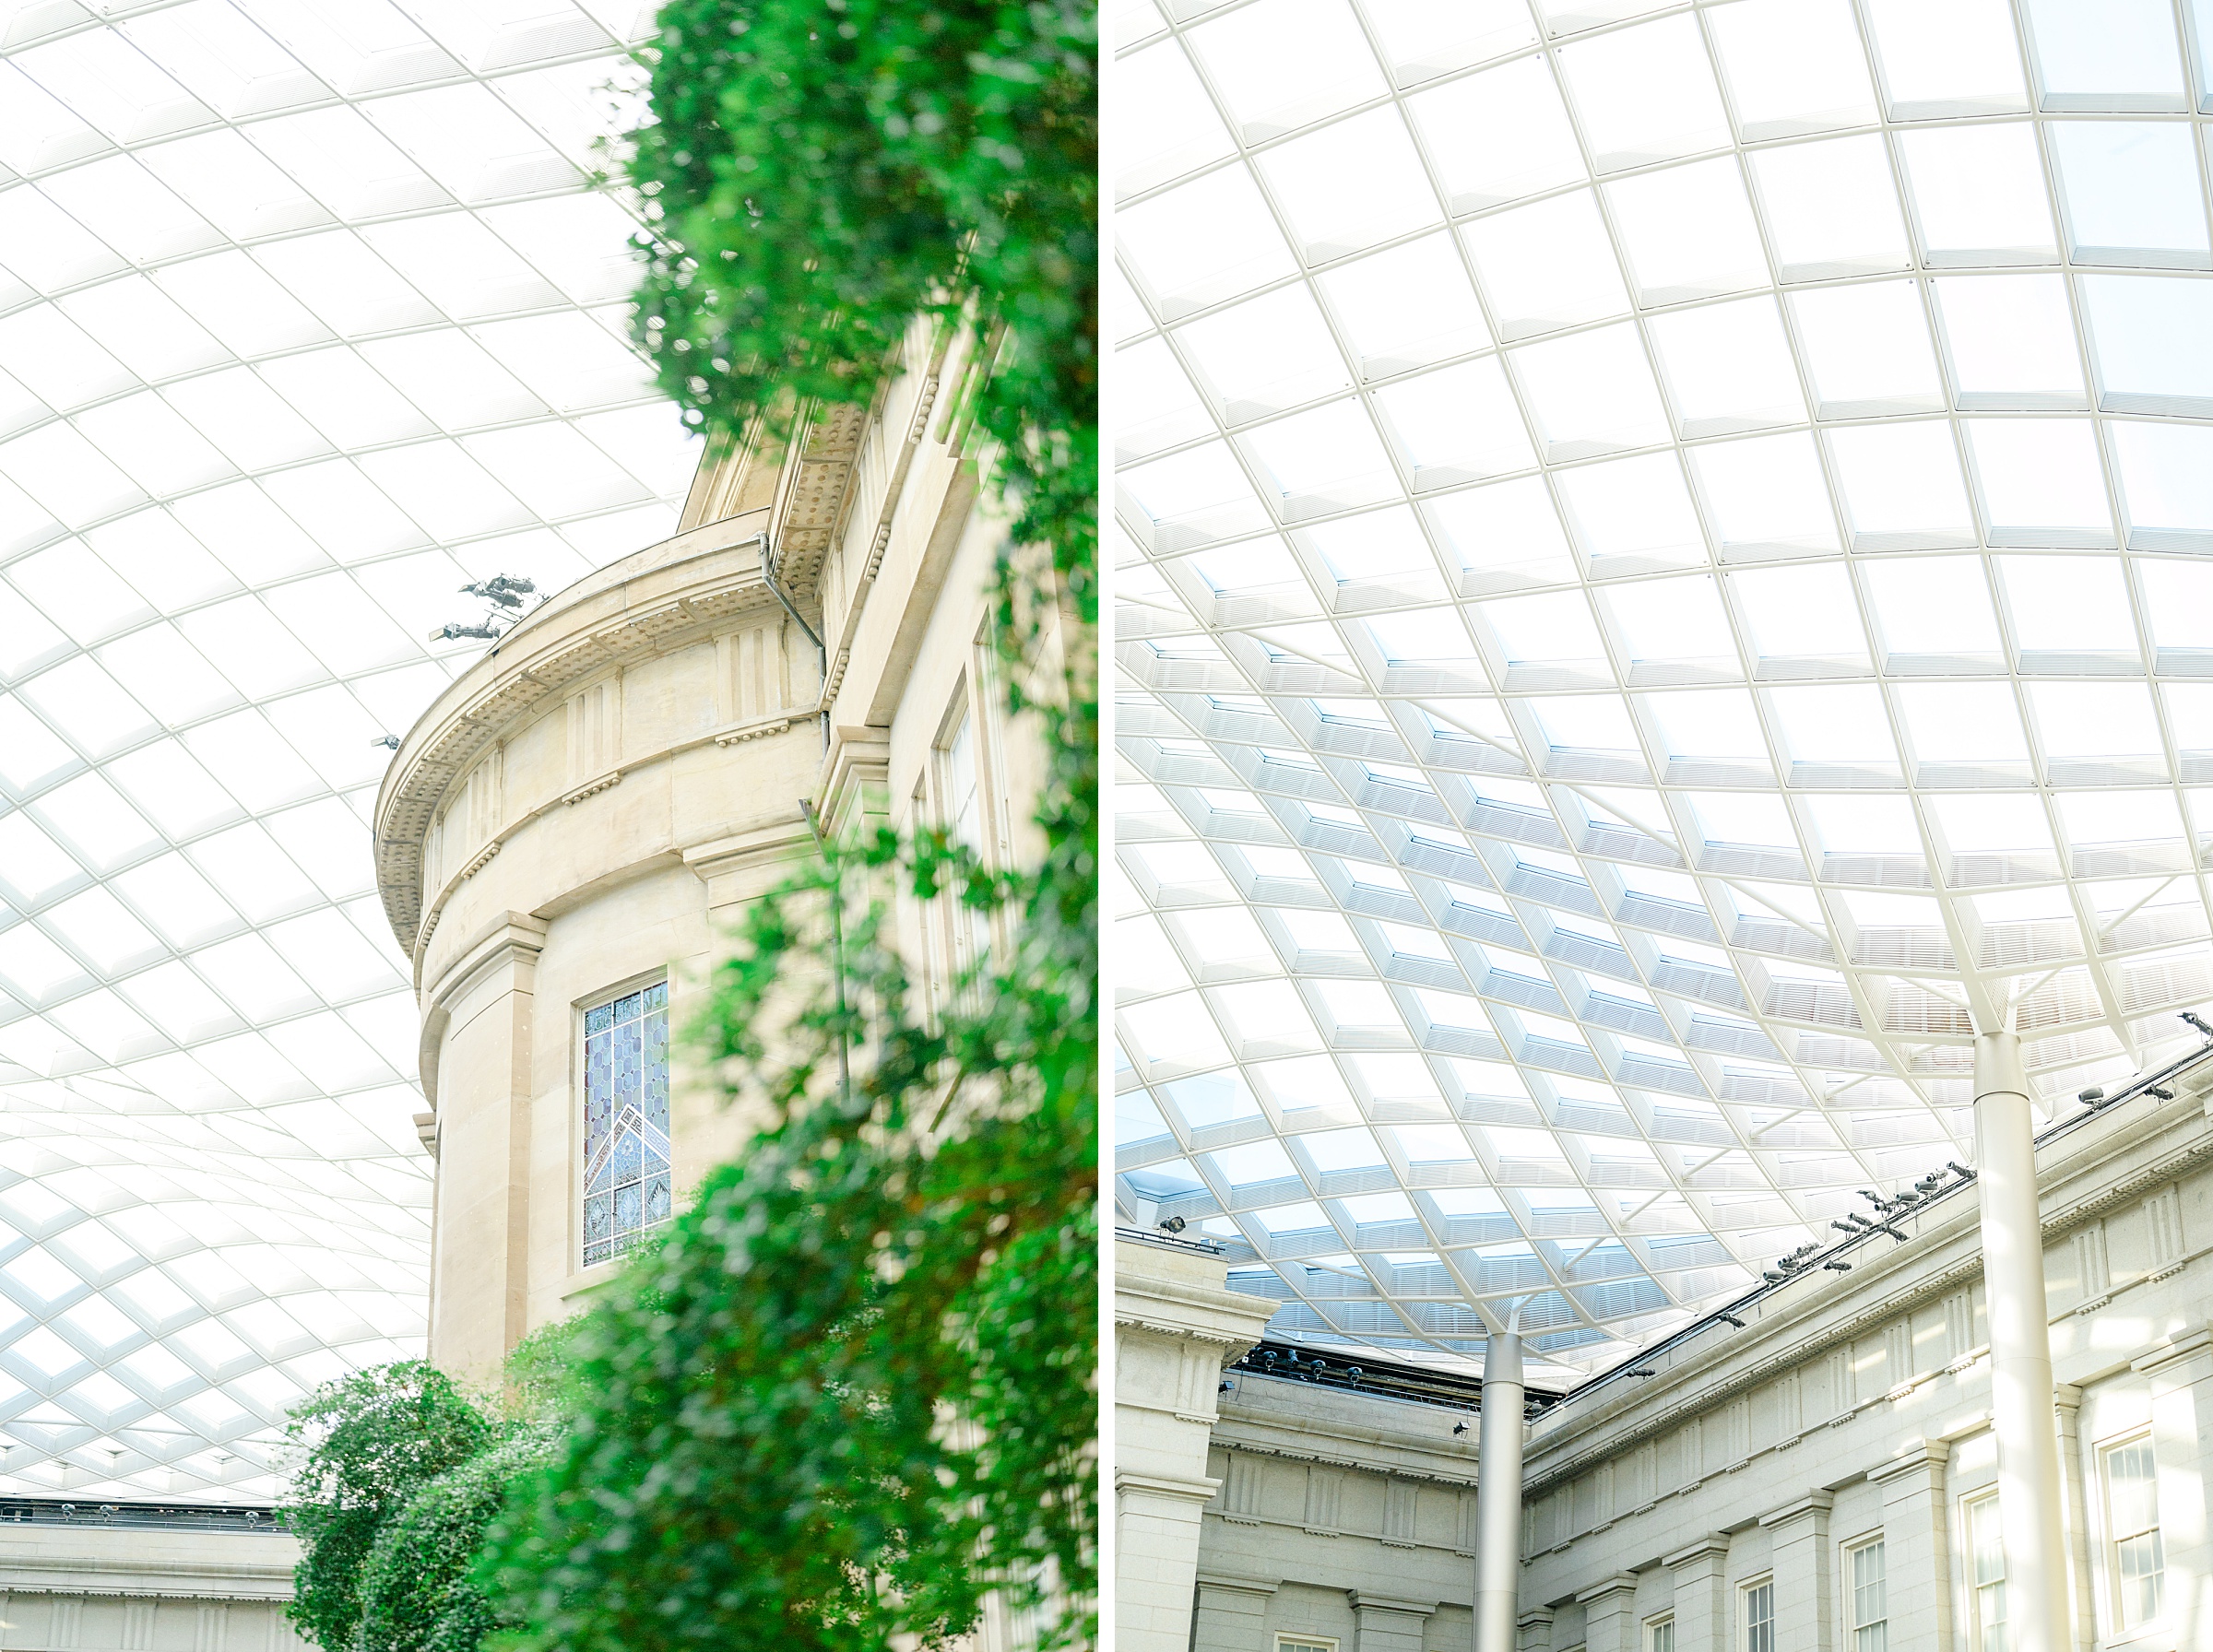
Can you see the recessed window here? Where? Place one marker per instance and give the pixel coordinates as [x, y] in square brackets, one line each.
[625, 1179]
[1659, 1635]
[1759, 1615]
[1986, 1574]
[1867, 1597]
[1300, 1643]
[2132, 1522]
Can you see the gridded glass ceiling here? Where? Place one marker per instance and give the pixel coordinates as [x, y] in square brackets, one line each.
[307, 318]
[1668, 574]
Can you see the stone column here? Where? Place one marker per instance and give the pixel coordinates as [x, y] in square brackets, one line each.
[2182, 1443]
[1610, 1621]
[1701, 1573]
[2038, 1612]
[1917, 1550]
[1498, 1495]
[477, 1073]
[1798, 1536]
[1175, 1327]
[1387, 1625]
[1230, 1614]
[2067, 1410]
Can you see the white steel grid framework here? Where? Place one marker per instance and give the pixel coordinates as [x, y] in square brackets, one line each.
[308, 316]
[1663, 581]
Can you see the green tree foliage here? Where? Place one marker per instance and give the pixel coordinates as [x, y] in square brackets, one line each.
[852, 1391]
[417, 1593]
[367, 1444]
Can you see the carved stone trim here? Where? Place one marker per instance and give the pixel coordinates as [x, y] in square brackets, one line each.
[592, 788]
[742, 731]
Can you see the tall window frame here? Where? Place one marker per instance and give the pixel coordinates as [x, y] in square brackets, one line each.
[625, 1168]
[964, 795]
[1660, 1633]
[1755, 1615]
[1867, 1597]
[1985, 1549]
[1306, 1643]
[2136, 1570]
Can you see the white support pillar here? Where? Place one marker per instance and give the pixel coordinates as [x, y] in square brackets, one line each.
[2037, 1610]
[1498, 1495]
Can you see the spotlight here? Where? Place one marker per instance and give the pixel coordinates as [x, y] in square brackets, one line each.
[1647, 1373]
[2092, 1096]
[1461, 1427]
[1838, 1267]
[2200, 1025]
[2160, 1091]
[1175, 1224]
[1733, 1319]
[1960, 1170]
[390, 742]
[1226, 1388]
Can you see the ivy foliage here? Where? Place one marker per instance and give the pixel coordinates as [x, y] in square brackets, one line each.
[851, 1392]
[417, 1592]
[366, 1445]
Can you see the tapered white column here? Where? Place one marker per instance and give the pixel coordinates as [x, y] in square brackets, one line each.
[2037, 1612]
[1498, 1495]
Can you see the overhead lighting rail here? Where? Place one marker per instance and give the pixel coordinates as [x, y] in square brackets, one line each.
[1285, 1362]
[1811, 1260]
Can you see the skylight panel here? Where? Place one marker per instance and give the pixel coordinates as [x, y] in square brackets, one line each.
[444, 491]
[1967, 723]
[1633, 515]
[30, 753]
[240, 303]
[244, 419]
[32, 867]
[161, 668]
[1421, 38]
[1860, 826]
[37, 129]
[58, 361]
[1728, 366]
[1646, 94]
[1407, 307]
[2119, 817]
[1348, 187]
[2041, 480]
[90, 602]
[235, 186]
[148, 332]
[1844, 722]
[46, 249]
[2166, 485]
[90, 816]
[1933, 605]
[1505, 534]
[1499, 135]
[2178, 602]
[1547, 627]
[1165, 410]
[1376, 544]
[1687, 232]
[1170, 120]
[1285, 62]
[1739, 818]
[1792, 68]
[1585, 722]
[126, 207]
[350, 287]
[114, 85]
[2154, 342]
[1457, 424]
[2069, 603]
[2132, 192]
[1592, 392]
[470, 142]
[2094, 719]
[257, 768]
[1203, 242]
[572, 362]
[82, 701]
[1990, 823]
[1547, 265]
[1766, 497]
[2118, 55]
[1671, 619]
[1979, 195]
[180, 796]
[2011, 341]
[222, 59]
[1947, 57]
[1902, 486]
[1867, 349]
[1709, 722]
[159, 451]
[1330, 459]
[1266, 356]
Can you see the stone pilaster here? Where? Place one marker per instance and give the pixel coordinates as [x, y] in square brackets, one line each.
[1387, 1624]
[2182, 1440]
[1230, 1614]
[1702, 1574]
[1917, 1549]
[1610, 1609]
[1798, 1548]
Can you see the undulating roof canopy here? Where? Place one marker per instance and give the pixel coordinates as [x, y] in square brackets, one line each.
[308, 317]
[1668, 574]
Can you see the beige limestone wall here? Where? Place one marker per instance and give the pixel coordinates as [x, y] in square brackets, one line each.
[112, 1590]
[593, 803]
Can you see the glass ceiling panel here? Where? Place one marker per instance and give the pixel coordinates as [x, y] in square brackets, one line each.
[308, 317]
[1663, 581]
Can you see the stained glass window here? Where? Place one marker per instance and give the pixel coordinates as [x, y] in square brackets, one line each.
[626, 1188]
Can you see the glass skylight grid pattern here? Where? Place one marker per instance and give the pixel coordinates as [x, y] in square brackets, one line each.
[308, 317]
[1666, 569]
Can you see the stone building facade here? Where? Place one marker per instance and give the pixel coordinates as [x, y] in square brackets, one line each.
[566, 837]
[136, 1583]
[1820, 1480]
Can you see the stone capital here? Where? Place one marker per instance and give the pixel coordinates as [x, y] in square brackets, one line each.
[1364, 1601]
[1222, 1583]
[1810, 1506]
[2194, 1342]
[1923, 1457]
[1709, 1543]
[1621, 1583]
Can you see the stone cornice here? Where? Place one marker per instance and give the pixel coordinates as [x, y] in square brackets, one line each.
[648, 603]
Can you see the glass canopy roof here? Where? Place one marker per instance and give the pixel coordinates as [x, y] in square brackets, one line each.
[1667, 571]
[308, 317]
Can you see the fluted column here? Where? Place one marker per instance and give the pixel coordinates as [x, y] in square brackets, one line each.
[2038, 1612]
[1499, 1496]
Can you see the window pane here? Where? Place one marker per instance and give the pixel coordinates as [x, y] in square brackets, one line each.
[626, 1152]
